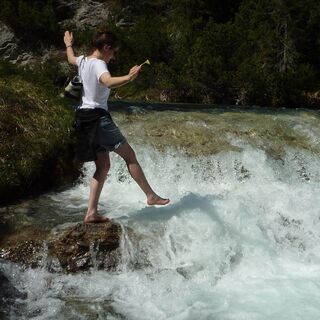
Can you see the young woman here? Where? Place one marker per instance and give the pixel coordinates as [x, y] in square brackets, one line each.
[97, 132]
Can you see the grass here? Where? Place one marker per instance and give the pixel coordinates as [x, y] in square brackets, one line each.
[36, 142]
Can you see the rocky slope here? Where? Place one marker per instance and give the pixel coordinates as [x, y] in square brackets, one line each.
[78, 15]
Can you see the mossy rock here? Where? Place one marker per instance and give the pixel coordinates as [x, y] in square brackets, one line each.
[36, 140]
[68, 248]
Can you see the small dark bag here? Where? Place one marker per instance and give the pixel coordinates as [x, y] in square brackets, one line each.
[74, 88]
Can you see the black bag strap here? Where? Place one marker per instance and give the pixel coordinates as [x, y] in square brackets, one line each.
[80, 66]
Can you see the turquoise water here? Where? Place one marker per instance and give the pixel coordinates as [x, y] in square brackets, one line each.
[240, 239]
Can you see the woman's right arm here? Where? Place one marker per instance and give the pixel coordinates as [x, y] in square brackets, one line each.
[68, 41]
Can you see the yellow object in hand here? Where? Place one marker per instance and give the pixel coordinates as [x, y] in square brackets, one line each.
[146, 62]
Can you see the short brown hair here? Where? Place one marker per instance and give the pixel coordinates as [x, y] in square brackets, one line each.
[102, 38]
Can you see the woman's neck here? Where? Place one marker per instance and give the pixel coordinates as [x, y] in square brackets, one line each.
[96, 54]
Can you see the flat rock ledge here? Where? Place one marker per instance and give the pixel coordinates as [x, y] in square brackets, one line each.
[72, 249]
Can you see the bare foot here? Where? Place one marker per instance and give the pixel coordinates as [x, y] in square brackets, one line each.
[156, 200]
[95, 218]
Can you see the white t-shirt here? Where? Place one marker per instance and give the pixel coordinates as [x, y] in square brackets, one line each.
[95, 94]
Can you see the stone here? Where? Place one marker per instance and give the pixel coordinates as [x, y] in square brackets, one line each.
[24, 59]
[87, 245]
[71, 249]
[8, 42]
[85, 14]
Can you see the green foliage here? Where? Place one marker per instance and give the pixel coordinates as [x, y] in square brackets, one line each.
[35, 137]
[247, 52]
[32, 20]
[7, 68]
[270, 57]
[236, 51]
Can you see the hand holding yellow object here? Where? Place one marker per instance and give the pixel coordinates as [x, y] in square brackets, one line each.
[146, 62]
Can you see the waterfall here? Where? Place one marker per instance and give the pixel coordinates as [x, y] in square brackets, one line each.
[239, 240]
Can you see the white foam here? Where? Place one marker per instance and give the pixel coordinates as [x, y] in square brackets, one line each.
[240, 240]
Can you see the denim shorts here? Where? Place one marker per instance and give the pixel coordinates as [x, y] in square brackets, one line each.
[108, 135]
[96, 132]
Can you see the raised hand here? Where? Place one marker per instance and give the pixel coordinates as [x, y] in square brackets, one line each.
[68, 38]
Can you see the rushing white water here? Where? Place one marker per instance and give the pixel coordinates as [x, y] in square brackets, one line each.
[240, 240]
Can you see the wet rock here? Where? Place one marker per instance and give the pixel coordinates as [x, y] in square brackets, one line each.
[201, 133]
[26, 253]
[84, 246]
[8, 296]
[71, 249]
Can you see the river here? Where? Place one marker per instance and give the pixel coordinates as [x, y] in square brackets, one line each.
[239, 240]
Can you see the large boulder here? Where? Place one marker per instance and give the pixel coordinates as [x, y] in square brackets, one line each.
[84, 246]
[82, 14]
[71, 249]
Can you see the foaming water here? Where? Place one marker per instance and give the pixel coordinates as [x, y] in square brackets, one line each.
[240, 240]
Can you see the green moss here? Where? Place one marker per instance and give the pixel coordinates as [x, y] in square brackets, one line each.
[36, 139]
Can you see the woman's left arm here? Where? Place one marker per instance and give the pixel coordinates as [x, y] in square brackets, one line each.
[115, 82]
[68, 40]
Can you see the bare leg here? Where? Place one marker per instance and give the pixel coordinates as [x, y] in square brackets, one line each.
[96, 185]
[127, 153]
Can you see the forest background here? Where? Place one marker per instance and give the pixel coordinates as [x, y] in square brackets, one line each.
[244, 52]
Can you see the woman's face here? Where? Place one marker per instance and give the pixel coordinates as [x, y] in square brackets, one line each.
[110, 53]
